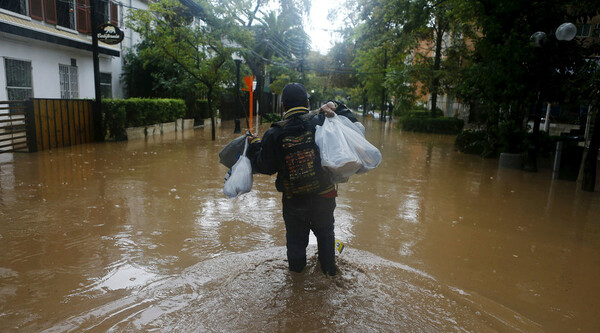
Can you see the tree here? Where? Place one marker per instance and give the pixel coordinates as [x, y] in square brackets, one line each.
[403, 42]
[195, 46]
[277, 37]
[148, 75]
[280, 41]
[374, 37]
[510, 76]
[592, 95]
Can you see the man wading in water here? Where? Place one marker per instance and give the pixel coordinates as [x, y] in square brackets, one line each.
[288, 148]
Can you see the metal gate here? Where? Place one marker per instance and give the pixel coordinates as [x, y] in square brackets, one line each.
[42, 124]
[13, 132]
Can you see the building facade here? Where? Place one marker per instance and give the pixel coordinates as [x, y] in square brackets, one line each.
[46, 48]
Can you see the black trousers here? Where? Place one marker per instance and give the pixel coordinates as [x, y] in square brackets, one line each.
[301, 215]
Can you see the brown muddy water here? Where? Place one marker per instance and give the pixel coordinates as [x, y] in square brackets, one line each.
[138, 236]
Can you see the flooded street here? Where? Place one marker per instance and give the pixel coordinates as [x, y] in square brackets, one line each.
[138, 236]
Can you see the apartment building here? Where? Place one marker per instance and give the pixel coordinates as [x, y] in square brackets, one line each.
[46, 48]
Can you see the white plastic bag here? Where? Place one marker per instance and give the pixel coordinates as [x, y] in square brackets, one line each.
[339, 136]
[353, 126]
[336, 155]
[369, 155]
[361, 127]
[240, 180]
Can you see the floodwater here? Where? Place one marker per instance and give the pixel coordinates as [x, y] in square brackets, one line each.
[138, 236]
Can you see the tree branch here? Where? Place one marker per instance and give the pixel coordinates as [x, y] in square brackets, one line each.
[251, 18]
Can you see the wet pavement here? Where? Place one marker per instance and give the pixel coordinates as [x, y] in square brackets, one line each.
[138, 236]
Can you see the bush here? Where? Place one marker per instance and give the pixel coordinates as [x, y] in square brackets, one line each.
[271, 118]
[490, 143]
[119, 114]
[476, 142]
[114, 117]
[419, 122]
[512, 138]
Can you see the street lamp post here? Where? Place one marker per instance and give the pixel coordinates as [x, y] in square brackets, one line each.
[565, 32]
[238, 102]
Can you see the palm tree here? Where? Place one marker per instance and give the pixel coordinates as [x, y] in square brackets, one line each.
[278, 39]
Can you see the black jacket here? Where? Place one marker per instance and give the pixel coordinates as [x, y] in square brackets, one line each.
[266, 154]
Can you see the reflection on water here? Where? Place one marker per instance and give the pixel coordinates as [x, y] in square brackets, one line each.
[138, 236]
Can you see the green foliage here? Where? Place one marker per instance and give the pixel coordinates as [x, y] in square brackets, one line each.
[280, 82]
[198, 51]
[119, 114]
[114, 117]
[511, 137]
[271, 118]
[421, 112]
[476, 142]
[489, 143]
[278, 47]
[422, 122]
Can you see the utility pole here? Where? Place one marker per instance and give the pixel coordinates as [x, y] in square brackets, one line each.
[238, 101]
[99, 136]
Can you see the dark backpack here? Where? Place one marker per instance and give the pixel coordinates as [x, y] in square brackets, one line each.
[301, 162]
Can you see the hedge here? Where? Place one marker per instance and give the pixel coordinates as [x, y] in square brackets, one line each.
[440, 125]
[486, 143]
[118, 114]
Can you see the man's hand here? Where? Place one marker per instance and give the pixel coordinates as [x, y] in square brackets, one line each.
[328, 109]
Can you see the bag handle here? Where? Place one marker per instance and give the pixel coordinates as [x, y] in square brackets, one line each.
[245, 147]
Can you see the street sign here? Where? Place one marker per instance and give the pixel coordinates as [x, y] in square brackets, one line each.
[110, 34]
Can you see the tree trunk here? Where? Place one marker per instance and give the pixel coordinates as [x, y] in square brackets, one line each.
[383, 107]
[211, 112]
[383, 92]
[437, 60]
[532, 150]
[590, 163]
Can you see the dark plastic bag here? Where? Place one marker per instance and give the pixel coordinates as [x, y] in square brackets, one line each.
[232, 151]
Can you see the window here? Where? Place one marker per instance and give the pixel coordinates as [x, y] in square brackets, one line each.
[17, 6]
[18, 79]
[102, 11]
[583, 30]
[65, 12]
[69, 86]
[108, 12]
[106, 85]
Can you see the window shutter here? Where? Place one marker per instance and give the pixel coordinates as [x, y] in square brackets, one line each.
[50, 11]
[83, 16]
[114, 13]
[36, 9]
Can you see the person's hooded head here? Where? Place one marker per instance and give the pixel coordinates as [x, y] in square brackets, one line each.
[294, 95]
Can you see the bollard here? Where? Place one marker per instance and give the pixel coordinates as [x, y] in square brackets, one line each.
[237, 126]
[557, 157]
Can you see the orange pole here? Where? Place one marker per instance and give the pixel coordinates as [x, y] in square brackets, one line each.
[249, 80]
[251, 107]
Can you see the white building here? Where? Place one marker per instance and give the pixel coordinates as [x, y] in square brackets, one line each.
[46, 48]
